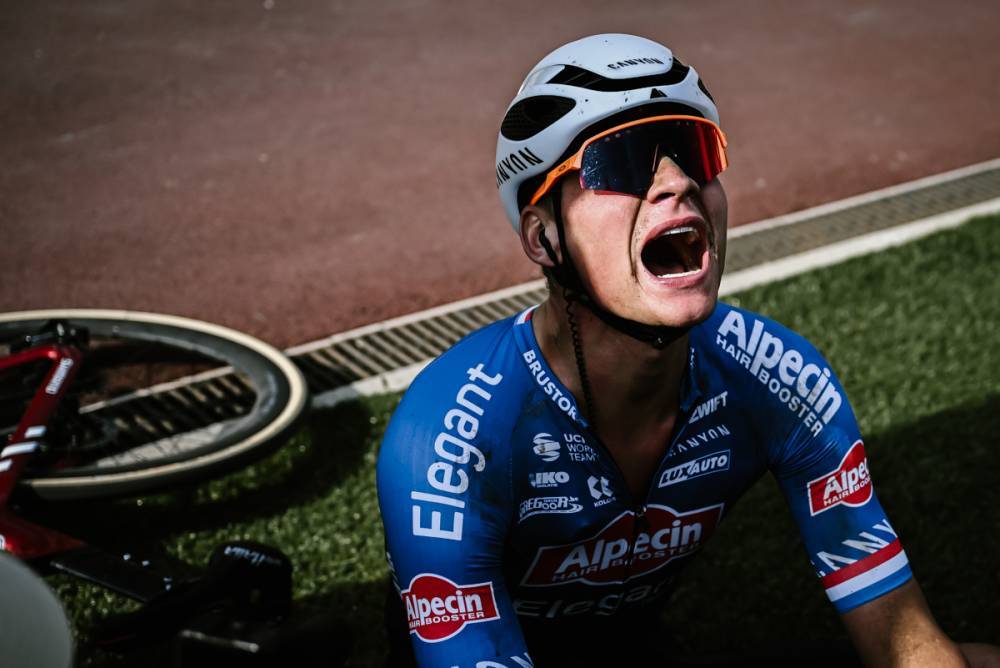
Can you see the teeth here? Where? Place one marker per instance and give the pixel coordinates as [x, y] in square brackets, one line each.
[678, 230]
[685, 273]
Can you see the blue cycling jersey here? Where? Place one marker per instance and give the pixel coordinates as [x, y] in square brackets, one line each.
[502, 509]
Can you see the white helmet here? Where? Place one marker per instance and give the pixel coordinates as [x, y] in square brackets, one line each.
[601, 80]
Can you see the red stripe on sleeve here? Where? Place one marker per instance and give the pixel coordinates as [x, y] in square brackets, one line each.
[866, 564]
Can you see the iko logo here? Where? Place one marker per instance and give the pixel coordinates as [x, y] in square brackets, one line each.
[617, 553]
[545, 447]
[713, 463]
[849, 484]
[549, 505]
[600, 490]
[804, 388]
[541, 479]
[437, 608]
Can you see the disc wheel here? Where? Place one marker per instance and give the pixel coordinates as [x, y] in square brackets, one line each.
[158, 400]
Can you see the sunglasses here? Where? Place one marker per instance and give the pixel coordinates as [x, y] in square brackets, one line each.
[624, 159]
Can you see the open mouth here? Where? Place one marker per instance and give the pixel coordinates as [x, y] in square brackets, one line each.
[676, 252]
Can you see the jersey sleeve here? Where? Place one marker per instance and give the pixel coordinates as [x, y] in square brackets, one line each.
[444, 490]
[823, 472]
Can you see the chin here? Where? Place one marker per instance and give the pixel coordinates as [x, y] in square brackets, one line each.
[685, 310]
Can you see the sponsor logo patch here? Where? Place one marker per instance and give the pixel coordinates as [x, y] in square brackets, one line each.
[545, 447]
[578, 450]
[548, 505]
[708, 407]
[437, 608]
[542, 479]
[849, 484]
[600, 489]
[713, 463]
[702, 438]
[605, 557]
[803, 387]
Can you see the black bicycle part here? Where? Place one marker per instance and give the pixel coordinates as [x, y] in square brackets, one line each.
[245, 580]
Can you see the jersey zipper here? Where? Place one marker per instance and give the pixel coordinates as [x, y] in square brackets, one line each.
[638, 506]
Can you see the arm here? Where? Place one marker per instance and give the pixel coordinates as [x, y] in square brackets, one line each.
[897, 629]
[444, 492]
[821, 466]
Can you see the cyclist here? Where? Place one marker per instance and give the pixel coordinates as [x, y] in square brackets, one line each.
[543, 482]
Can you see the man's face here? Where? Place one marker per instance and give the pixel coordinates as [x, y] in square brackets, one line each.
[656, 260]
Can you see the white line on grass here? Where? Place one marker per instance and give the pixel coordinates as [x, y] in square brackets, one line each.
[864, 198]
[834, 253]
[400, 379]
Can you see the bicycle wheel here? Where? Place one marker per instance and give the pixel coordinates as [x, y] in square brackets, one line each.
[158, 400]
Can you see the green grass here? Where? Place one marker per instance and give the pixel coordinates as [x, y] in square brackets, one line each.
[912, 335]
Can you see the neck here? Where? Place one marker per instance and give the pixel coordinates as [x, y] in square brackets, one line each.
[632, 384]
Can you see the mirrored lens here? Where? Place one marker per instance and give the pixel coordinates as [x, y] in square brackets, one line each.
[624, 162]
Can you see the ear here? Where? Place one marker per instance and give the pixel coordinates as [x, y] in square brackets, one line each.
[537, 220]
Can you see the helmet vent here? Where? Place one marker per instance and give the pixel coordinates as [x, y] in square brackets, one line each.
[581, 78]
[532, 115]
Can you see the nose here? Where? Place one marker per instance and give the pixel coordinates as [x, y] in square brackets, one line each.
[669, 180]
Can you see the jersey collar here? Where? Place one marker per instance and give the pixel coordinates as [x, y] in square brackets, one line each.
[538, 367]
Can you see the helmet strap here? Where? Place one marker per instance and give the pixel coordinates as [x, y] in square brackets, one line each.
[567, 276]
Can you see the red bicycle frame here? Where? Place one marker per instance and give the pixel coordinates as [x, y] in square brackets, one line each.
[18, 536]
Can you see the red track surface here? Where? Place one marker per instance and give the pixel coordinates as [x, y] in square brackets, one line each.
[298, 168]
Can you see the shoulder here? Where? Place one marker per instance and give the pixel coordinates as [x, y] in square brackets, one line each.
[466, 395]
[777, 371]
[448, 441]
[754, 340]
[477, 369]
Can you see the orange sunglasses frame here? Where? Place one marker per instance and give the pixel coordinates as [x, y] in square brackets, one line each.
[575, 161]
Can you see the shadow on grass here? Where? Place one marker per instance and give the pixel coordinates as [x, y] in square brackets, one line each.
[329, 449]
[754, 591]
[938, 480]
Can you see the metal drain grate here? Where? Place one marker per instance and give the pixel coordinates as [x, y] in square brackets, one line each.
[396, 344]
[181, 408]
[878, 214]
[376, 351]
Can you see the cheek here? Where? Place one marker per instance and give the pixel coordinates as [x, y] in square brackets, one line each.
[601, 222]
[717, 209]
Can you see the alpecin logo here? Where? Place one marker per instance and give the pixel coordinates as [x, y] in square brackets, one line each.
[804, 387]
[610, 556]
[849, 484]
[437, 608]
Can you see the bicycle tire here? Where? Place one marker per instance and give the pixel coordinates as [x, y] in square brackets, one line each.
[238, 360]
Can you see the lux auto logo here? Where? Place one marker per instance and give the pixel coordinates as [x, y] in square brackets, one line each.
[618, 553]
